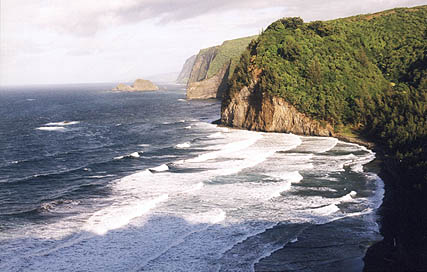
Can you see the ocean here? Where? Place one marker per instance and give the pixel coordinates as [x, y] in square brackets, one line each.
[96, 180]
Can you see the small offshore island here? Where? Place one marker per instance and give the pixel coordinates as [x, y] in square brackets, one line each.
[138, 85]
[317, 160]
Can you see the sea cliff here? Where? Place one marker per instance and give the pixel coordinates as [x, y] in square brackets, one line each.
[184, 75]
[213, 67]
[365, 74]
[253, 110]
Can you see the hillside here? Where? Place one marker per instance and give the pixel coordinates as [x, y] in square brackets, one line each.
[362, 76]
[365, 73]
[212, 68]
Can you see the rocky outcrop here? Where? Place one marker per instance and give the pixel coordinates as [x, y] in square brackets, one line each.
[213, 87]
[184, 75]
[138, 85]
[213, 67]
[201, 65]
[253, 110]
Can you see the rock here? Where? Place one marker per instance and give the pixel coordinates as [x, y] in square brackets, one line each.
[144, 85]
[138, 85]
[213, 67]
[184, 75]
[209, 88]
[250, 109]
[123, 87]
[201, 65]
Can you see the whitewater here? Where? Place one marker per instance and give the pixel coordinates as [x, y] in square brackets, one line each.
[209, 199]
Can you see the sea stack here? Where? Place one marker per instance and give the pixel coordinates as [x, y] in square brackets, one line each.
[138, 85]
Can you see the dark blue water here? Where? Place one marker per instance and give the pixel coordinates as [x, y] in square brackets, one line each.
[95, 180]
[38, 166]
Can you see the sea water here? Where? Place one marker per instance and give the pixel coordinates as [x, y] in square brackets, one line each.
[95, 180]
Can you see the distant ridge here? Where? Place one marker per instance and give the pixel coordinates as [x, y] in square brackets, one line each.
[212, 67]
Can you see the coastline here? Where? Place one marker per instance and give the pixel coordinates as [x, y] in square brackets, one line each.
[401, 221]
[402, 224]
[372, 259]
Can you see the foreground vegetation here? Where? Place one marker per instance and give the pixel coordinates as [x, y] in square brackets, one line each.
[365, 73]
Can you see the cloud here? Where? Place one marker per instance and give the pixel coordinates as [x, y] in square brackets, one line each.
[112, 40]
[87, 17]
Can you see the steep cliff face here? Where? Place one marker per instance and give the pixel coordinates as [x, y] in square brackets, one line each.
[201, 64]
[213, 67]
[253, 110]
[213, 87]
[184, 75]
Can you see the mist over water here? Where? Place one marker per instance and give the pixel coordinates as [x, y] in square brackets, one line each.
[94, 180]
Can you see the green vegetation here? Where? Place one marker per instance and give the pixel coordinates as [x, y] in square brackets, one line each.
[365, 73]
[228, 51]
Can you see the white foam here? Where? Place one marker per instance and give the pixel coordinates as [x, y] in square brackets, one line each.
[182, 100]
[227, 149]
[215, 135]
[281, 188]
[134, 155]
[51, 205]
[293, 240]
[195, 188]
[51, 128]
[293, 177]
[116, 217]
[183, 145]
[211, 217]
[348, 197]
[99, 177]
[160, 168]
[318, 144]
[356, 165]
[63, 123]
[187, 127]
[186, 220]
[326, 210]
[377, 198]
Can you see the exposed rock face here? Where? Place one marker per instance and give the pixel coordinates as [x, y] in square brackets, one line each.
[209, 88]
[253, 110]
[213, 67]
[123, 87]
[138, 85]
[184, 75]
[201, 64]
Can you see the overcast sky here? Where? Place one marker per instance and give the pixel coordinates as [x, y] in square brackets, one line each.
[82, 41]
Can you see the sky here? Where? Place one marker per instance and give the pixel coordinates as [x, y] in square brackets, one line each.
[89, 41]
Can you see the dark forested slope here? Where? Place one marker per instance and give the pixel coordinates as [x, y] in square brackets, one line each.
[365, 73]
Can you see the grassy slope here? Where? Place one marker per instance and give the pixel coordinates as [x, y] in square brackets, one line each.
[229, 50]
